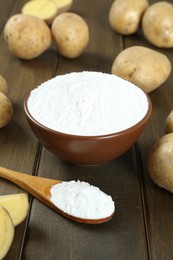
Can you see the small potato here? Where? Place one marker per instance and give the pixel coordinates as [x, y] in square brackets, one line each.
[160, 162]
[6, 110]
[144, 67]
[71, 34]
[125, 15]
[157, 24]
[3, 85]
[169, 123]
[27, 36]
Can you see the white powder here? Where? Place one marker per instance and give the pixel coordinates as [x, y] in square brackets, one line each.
[88, 103]
[82, 200]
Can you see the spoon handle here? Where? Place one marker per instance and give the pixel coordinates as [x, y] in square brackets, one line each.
[36, 186]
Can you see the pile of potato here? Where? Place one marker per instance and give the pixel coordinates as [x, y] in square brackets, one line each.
[146, 68]
[6, 108]
[13, 210]
[40, 22]
[127, 16]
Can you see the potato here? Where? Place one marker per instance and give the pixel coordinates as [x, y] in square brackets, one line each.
[157, 24]
[169, 123]
[17, 206]
[160, 162]
[43, 9]
[3, 85]
[63, 5]
[27, 36]
[6, 110]
[6, 232]
[142, 66]
[71, 34]
[125, 15]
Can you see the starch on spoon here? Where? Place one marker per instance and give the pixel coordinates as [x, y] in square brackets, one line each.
[82, 200]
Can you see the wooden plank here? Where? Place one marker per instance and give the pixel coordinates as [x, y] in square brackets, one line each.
[158, 210]
[18, 146]
[157, 202]
[48, 235]
[68, 240]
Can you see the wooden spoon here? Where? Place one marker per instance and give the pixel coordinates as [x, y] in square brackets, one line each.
[40, 188]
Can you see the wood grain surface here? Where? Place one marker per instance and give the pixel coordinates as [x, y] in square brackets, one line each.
[143, 225]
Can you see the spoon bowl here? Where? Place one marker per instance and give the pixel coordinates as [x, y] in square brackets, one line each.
[39, 187]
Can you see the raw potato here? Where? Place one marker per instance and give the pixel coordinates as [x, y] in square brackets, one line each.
[169, 123]
[27, 36]
[63, 5]
[3, 85]
[157, 24]
[43, 9]
[144, 67]
[17, 205]
[125, 15]
[71, 34]
[160, 162]
[6, 110]
[6, 232]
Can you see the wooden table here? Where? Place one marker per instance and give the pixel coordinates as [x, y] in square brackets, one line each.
[143, 225]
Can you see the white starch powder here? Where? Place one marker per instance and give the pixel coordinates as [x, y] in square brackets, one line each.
[87, 104]
[82, 200]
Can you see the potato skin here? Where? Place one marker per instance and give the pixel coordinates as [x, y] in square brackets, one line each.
[27, 36]
[169, 123]
[157, 24]
[125, 15]
[6, 110]
[142, 66]
[71, 34]
[160, 162]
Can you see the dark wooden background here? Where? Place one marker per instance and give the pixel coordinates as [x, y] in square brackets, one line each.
[143, 225]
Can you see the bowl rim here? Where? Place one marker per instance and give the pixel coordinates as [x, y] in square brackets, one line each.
[125, 131]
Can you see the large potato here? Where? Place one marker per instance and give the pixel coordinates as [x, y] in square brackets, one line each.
[71, 34]
[142, 66]
[27, 36]
[160, 162]
[125, 15]
[157, 24]
[6, 110]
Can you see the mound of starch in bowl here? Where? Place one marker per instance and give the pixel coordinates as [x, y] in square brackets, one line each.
[82, 200]
[87, 104]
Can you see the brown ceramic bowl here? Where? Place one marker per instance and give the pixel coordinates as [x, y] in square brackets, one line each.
[87, 150]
